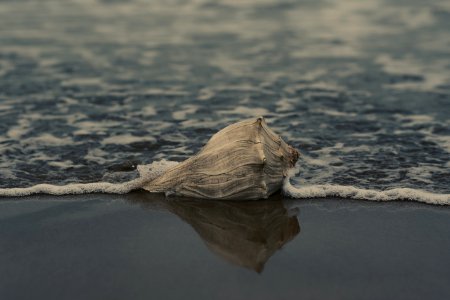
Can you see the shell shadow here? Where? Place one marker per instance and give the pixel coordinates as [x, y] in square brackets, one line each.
[244, 233]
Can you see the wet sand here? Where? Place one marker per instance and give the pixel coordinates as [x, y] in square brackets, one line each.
[141, 246]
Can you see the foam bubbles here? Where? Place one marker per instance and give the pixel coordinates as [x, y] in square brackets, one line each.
[125, 139]
[146, 174]
[351, 192]
[156, 169]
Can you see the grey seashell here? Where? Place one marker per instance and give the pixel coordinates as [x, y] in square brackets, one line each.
[244, 161]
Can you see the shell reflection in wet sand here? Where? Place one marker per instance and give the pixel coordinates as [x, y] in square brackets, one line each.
[242, 233]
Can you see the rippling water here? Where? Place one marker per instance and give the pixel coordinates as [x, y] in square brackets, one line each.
[90, 88]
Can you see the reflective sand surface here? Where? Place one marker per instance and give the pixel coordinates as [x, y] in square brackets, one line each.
[141, 247]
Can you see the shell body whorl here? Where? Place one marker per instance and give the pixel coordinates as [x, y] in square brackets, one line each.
[245, 160]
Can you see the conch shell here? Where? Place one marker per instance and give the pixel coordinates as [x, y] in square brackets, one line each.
[244, 161]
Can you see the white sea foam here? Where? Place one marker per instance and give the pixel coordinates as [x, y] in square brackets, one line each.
[155, 169]
[146, 174]
[351, 192]
[245, 111]
[125, 139]
[184, 112]
[75, 188]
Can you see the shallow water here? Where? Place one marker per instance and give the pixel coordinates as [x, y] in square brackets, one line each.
[140, 246]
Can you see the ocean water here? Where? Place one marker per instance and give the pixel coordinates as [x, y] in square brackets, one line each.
[91, 89]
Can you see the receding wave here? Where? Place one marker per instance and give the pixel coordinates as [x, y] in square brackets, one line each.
[74, 188]
[151, 171]
[351, 192]
[146, 173]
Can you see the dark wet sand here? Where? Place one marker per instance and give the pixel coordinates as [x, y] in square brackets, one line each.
[143, 247]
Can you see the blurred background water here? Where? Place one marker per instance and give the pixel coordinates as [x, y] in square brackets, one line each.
[90, 88]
